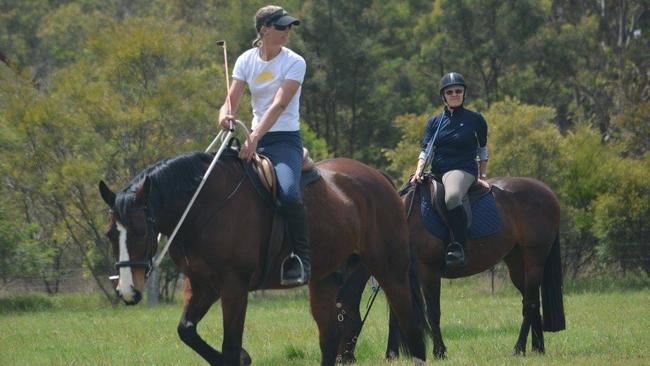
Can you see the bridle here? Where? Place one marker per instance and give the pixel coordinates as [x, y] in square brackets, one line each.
[152, 232]
[150, 235]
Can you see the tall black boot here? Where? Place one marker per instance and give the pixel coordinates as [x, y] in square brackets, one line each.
[296, 270]
[456, 249]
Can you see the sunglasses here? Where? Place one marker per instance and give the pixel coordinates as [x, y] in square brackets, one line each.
[454, 91]
[281, 27]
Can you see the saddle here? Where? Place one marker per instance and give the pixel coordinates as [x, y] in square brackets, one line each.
[479, 204]
[437, 198]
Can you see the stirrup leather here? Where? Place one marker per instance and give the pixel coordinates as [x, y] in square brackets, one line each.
[302, 279]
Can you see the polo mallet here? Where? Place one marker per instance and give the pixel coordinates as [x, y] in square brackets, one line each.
[225, 140]
[222, 43]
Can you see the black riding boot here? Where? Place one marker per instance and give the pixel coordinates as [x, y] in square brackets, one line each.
[456, 249]
[292, 271]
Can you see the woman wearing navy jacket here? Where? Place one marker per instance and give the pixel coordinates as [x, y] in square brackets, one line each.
[452, 141]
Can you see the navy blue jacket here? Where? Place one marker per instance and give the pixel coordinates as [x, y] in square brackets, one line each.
[456, 146]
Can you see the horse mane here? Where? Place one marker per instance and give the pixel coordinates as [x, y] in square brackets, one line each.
[172, 177]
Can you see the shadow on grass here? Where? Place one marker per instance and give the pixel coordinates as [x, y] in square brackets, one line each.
[607, 284]
[465, 331]
[291, 356]
[25, 303]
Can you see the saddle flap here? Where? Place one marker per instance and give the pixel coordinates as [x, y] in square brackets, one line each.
[264, 169]
[307, 162]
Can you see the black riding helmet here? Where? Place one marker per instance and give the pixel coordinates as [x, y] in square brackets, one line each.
[452, 78]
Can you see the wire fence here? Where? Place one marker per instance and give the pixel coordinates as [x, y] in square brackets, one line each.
[80, 280]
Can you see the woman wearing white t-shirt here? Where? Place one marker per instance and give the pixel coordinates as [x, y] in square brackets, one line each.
[274, 75]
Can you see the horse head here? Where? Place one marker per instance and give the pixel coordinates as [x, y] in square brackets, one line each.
[133, 234]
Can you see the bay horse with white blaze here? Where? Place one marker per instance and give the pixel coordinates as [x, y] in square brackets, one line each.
[222, 246]
[527, 241]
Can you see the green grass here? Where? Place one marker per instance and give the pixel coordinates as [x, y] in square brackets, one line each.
[603, 328]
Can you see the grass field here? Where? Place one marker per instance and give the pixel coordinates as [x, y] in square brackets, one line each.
[605, 326]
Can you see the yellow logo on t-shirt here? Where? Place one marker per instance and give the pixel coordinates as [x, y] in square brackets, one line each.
[265, 75]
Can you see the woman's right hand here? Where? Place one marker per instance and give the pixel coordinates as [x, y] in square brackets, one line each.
[417, 177]
[224, 120]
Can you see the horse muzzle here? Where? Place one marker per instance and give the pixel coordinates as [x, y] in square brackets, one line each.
[132, 297]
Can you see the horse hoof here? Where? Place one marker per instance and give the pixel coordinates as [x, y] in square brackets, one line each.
[518, 351]
[439, 354]
[245, 358]
[345, 359]
[539, 350]
[419, 362]
[391, 355]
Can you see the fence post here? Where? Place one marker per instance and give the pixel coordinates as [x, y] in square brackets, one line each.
[153, 287]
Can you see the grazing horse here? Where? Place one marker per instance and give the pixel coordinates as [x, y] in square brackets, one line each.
[527, 241]
[222, 246]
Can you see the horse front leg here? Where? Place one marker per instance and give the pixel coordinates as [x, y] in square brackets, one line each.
[431, 284]
[515, 262]
[234, 302]
[394, 337]
[197, 301]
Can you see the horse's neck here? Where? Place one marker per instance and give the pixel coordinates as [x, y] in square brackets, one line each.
[171, 210]
[168, 216]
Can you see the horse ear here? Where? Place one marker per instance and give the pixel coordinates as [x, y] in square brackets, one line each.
[107, 194]
[142, 195]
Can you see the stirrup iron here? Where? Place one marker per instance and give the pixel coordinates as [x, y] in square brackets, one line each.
[455, 255]
[301, 280]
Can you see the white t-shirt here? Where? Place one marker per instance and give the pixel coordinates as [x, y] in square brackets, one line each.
[264, 79]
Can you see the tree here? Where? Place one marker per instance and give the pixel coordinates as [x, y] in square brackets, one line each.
[483, 40]
[621, 216]
[584, 168]
[523, 141]
[356, 79]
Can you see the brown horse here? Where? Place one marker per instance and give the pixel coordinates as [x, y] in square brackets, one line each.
[353, 211]
[527, 241]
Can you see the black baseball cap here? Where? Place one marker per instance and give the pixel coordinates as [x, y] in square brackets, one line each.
[279, 17]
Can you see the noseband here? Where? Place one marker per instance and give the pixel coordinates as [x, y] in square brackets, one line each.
[147, 264]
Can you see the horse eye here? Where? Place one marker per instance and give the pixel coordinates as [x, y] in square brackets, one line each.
[138, 231]
[112, 234]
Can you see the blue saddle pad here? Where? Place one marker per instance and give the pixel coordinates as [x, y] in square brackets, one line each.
[485, 218]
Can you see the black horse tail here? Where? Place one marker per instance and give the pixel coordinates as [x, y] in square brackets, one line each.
[553, 305]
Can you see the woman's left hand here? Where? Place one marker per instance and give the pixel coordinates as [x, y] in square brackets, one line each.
[249, 149]
[484, 183]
